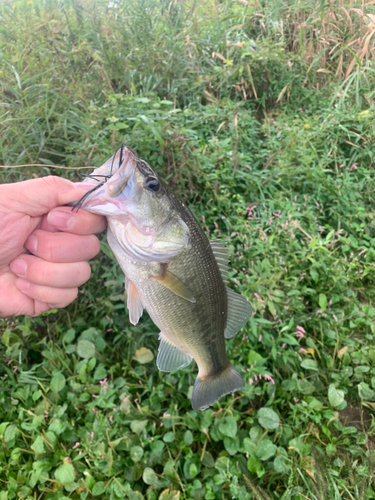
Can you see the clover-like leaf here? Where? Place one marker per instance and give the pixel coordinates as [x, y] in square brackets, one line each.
[143, 355]
[65, 473]
[85, 349]
[268, 419]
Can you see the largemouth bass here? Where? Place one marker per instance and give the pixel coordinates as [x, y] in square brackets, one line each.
[173, 271]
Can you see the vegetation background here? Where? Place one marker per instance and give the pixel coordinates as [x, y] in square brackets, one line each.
[260, 114]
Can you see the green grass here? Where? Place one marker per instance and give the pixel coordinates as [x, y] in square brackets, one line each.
[270, 155]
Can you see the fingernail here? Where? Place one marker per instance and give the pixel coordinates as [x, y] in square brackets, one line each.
[22, 285]
[32, 244]
[19, 267]
[61, 220]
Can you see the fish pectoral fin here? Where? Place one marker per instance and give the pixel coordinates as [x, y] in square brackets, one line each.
[133, 302]
[173, 283]
[239, 312]
[170, 358]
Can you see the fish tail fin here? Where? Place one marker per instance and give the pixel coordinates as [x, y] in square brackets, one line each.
[207, 390]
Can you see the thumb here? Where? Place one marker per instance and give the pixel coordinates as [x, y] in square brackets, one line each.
[37, 197]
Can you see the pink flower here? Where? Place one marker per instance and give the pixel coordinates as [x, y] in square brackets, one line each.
[268, 377]
[75, 446]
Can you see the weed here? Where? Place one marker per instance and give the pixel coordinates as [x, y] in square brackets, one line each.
[228, 101]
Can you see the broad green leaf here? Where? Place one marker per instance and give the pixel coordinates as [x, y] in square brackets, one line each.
[85, 349]
[228, 426]
[281, 465]
[150, 477]
[266, 449]
[268, 419]
[256, 433]
[57, 382]
[231, 445]
[254, 358]
[255, 466]
[322, 301]
[69, 336]
[310, 364]
[135, 495]
[99, 488]
[188, 438]
[38, 445]
[250, 447]
[335, 396]
[2, 428]
[169, 437]
[11, 432]
[365, 392]
[65, 473]
[143, 355]
[138, 426]
[193, 471]
[136, 453]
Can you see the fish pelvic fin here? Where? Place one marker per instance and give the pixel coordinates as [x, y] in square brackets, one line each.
[170, 358]
[207, 390]
[239, 312]
[133, 302]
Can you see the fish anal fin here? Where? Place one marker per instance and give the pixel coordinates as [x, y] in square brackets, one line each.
[221, 255]
[170, 358]
[239, 312]
[207, 390]
[173, 283]
[133, 302]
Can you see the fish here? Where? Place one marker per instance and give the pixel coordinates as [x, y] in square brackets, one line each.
[172, 270]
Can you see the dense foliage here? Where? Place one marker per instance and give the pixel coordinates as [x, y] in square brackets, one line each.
[261, 116]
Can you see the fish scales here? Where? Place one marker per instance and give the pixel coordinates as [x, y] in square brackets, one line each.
[172, 271]
[189, 326]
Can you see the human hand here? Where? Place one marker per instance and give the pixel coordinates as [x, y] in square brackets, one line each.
[60, 241]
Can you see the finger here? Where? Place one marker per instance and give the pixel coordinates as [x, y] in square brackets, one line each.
[54, 297]
[41, 307]
[62, 247]
[80, 222]
[38, 196]
[41, 272]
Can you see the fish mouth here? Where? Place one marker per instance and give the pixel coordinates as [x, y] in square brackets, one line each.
[109, 181]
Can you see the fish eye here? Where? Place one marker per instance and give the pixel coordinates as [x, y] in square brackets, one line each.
[153, 184]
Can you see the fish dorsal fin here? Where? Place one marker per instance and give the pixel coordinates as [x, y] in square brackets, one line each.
[239, 312]
[169, 357]
[133, 302]
[221, 254]
[173, 283]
